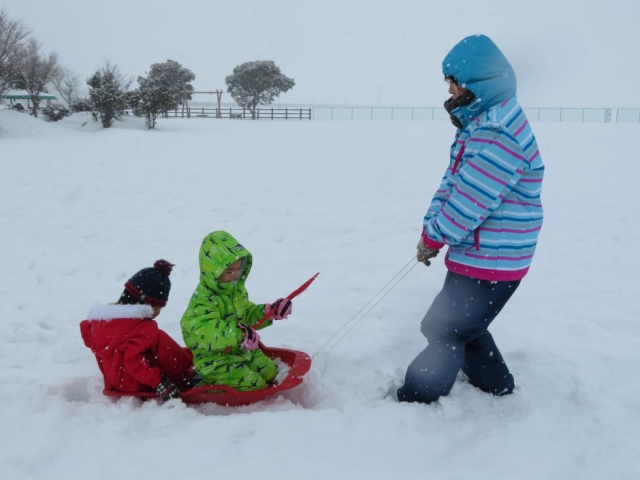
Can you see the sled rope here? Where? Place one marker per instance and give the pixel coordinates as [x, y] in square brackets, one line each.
[354, 320]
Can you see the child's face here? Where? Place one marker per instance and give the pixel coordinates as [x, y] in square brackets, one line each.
[232, 272]
[156, 310]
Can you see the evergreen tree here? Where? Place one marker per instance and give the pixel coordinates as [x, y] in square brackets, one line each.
[257, 83]
[108, 93]
[152, 98]
[176, 78]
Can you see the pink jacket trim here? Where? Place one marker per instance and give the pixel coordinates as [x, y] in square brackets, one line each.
[430, 243]
[485, 273]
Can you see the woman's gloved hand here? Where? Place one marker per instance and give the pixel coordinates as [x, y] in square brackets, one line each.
[425, 253]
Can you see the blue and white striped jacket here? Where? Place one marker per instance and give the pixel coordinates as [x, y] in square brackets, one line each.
[488, 208]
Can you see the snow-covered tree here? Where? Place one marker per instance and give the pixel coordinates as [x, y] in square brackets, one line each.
[12, 38]
[151, 99]
[257, 83]
[107, 91]
[81, 105]
[35, 70]
[175, 77]
[55, 112]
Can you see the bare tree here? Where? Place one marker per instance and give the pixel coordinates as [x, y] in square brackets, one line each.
[35, 71]
[12, 36]
[122, 81]
[66, 83]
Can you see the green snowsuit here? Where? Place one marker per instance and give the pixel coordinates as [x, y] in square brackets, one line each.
[210, 323]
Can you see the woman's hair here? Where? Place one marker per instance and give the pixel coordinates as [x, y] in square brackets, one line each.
[450, 79]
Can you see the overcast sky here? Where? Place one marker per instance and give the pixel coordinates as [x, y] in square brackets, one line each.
[354, 51]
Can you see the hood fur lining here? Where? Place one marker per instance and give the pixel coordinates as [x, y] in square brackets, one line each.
[109, 312]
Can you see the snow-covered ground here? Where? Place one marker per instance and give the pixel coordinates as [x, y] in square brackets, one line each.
[82, 209]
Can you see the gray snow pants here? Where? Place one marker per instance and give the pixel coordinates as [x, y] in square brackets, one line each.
[456, 329]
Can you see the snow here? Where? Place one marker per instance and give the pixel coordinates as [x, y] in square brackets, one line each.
[84, 208]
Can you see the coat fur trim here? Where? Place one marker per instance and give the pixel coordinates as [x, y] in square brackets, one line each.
[109, 312]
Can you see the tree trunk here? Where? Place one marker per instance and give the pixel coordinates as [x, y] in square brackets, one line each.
[36, 104]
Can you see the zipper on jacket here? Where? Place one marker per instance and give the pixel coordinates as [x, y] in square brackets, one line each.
[458, 158]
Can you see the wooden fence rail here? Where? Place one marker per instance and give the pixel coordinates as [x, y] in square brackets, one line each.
[244, 114]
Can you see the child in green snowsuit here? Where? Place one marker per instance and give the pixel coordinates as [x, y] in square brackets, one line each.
[217, 323]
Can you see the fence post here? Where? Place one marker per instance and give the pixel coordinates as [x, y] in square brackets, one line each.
[258, 114]
[607, 115]
[188, 112]
[286, 113]
[371, 113]
[412, 113]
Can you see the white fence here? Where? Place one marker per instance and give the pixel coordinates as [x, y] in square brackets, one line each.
[310, 112]
[627, 115]
[601, 115]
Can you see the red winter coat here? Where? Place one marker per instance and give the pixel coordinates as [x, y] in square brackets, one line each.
[132, 352]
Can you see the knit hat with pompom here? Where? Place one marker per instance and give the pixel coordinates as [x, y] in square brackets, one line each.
[151, 285]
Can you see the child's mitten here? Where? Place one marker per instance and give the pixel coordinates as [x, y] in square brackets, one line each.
[251, 339]
[166, 390]
[281, 308]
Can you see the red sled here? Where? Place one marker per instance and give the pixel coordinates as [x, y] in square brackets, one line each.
[299, 364]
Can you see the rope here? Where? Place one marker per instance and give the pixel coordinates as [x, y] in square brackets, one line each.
[410, 264]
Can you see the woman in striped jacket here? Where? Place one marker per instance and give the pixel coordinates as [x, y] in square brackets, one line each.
[488, 211]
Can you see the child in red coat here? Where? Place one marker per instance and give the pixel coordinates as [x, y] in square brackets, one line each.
[133, 354]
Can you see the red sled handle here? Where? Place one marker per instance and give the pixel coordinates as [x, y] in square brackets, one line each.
[291, 296]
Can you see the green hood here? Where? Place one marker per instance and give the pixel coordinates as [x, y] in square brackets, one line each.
[218, 251]
[210, 322]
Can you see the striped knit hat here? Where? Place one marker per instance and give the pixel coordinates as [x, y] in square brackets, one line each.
[151, 285]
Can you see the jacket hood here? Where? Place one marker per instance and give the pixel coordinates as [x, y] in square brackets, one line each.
[217, 252]
[478, 64]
